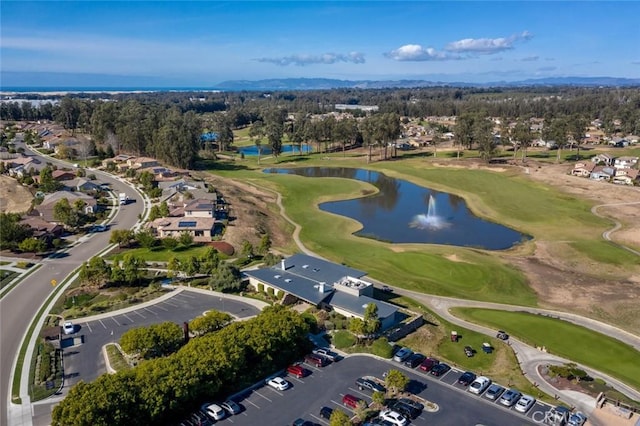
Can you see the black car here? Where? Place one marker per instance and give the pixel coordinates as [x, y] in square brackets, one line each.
[440, 369]
[502, 335]
[407, 407]
[468, 351]
[326, 412]
[466, 378]
[369, 384]
[414, 360]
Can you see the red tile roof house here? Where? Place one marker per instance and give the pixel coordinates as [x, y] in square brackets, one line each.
[629, 177]
[61, 175]
[583, 169]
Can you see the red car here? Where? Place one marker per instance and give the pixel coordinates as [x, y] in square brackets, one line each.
[428, 364]
[351, 401]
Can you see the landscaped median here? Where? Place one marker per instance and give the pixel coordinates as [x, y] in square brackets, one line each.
[558, 337]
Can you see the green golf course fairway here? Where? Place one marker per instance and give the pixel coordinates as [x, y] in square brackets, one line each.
[581, 345]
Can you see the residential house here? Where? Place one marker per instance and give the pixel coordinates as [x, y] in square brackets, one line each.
[605, 159]
[45, 209]
[200, 207]
[619, 142]
[602, 173]
[630, 177]
[583, 168]
[323, 284]
[62, 175]
[82, 185]
[41, 228]
[142, 162]
[201, 228]
[625, 162]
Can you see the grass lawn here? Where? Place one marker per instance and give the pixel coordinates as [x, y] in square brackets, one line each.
[6, 277]
[160, 254]
[116, 359]
[567, 340]
[605, 252]
[433, 339]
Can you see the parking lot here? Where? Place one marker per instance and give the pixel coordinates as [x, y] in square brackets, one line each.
[327, 385]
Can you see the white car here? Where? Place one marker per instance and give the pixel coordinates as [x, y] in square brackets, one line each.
[68, 327]
[479, 385]
[215, 411]
[393, 417]
[278, 383]
[525, 403]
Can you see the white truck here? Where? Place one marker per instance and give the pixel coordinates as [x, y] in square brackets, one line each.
[124, 199]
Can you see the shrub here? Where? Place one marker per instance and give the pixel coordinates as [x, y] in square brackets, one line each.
[382, 348]
[343, 339]
[260, 288]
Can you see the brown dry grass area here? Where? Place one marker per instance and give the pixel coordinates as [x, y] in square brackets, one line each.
[14, 198]
[564, 283]
[255, 212]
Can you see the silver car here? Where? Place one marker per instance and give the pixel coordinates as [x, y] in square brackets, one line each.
[510, 397]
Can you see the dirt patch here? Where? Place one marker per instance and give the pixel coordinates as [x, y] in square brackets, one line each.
[14, 198]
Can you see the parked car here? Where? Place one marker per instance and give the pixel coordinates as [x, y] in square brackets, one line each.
[502, 335]
[510, 397]
[369, 384]
[525, 403]
[298, 371]
[440, 369]
[468, 351]
[558, 416]
[402, 355]
[428, 364]
[302, 422]
[214, 411]
[393, 417]
[331, 356]
[577, 419]
[414, 360]
[466, 378]
[407, 407]
[68, 327]
[479, 385]
[494, 391]
[199, 418]
[350, 401]
[326, 412]
[315, 360]
[387, 289]
[231, 407]
[278, 383]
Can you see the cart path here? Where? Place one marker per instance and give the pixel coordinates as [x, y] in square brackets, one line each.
[617, 225]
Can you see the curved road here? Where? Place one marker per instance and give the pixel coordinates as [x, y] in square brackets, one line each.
[19, 306]
[607, 234]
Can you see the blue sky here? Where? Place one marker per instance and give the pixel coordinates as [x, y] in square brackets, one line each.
[201, 43]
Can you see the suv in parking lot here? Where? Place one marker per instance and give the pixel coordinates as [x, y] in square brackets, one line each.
[428, 364]
[326, 412]
[510, 397]
[364, 383]
[414, 360]
[326, 353]
[407, 407]
[402, 355]
[351, 401]
[466, 378]
[298, 371]
[316, 360]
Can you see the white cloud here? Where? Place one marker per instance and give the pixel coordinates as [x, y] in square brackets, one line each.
[325, 58]
[487, 46]
[415, 52]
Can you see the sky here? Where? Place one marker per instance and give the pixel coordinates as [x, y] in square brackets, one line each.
[201, 43]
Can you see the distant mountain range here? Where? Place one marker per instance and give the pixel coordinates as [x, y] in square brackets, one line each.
[325, 83]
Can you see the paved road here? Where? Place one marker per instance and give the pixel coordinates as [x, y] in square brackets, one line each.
[617, 225]
[18, 306]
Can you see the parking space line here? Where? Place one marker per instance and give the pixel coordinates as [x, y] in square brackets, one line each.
[295, 378]
[360, 392]
[342, 405]
[89, 327]
[160, 307]
[127, 317]
[114, 320]
[246, 400]
[188, 296]
[100, 321]
[259, 394]
[138, 313]
[154, 313]
[169, 303]
[323, 421]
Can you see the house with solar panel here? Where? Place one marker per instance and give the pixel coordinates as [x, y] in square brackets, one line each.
[202, 229]
[323, 284]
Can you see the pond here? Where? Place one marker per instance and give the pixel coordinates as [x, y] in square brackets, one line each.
[286, 149]
[403, 212]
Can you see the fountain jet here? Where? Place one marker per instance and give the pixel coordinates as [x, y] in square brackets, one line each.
[431, 220]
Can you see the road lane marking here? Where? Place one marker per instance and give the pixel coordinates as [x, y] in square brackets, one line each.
[100, 321]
